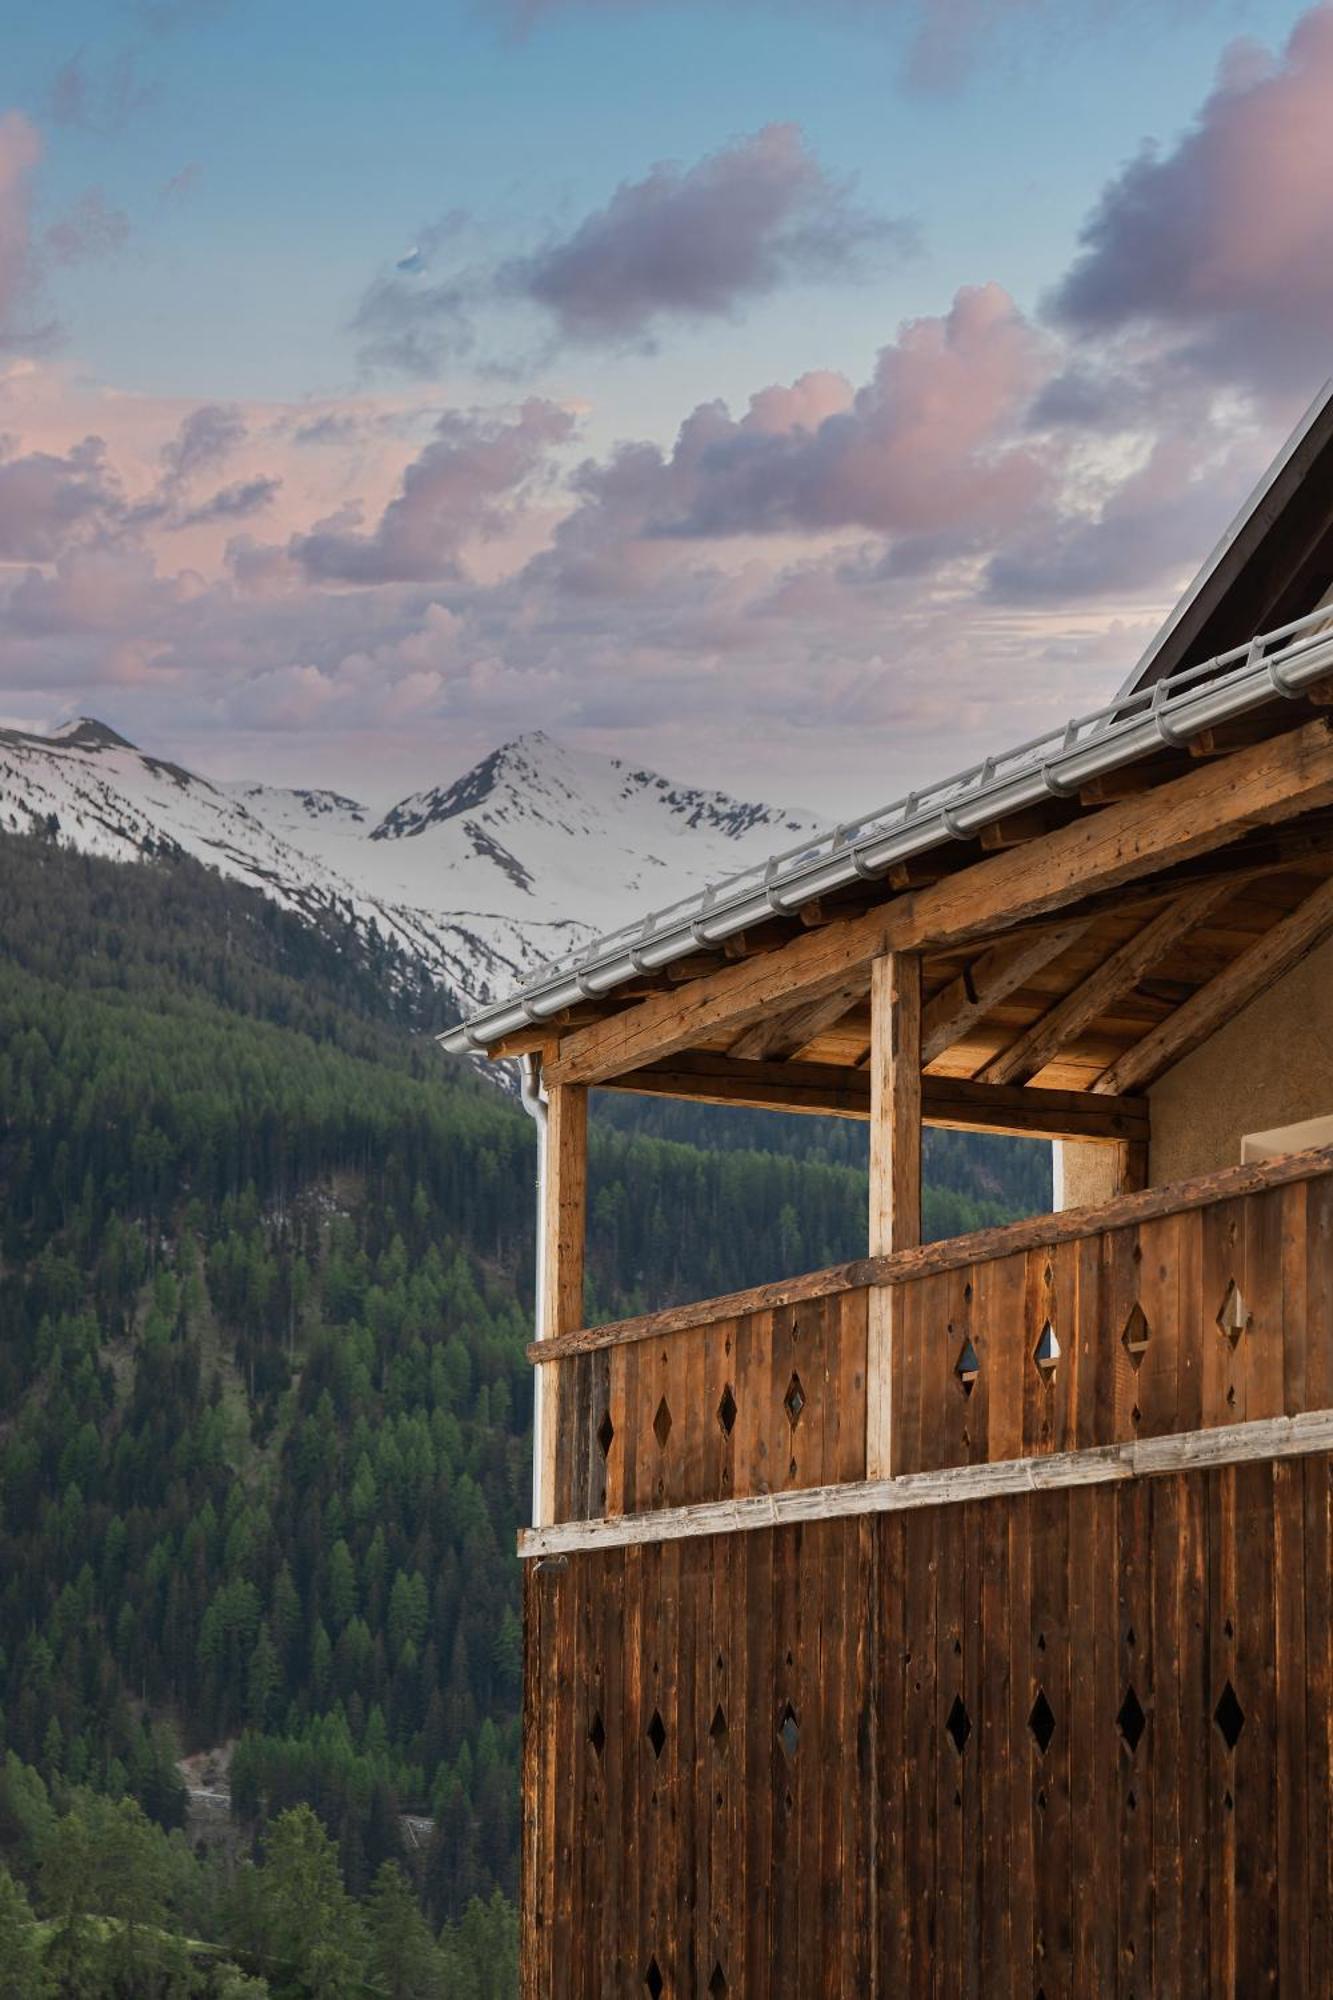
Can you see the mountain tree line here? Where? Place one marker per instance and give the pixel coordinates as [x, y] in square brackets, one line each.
[265, 1258]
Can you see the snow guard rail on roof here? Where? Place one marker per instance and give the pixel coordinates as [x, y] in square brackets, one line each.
[1282, 663]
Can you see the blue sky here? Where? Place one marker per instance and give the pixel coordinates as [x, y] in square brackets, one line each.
[213, 197]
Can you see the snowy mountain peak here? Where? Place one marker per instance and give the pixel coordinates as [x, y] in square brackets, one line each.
[85, 732]
[532, 852]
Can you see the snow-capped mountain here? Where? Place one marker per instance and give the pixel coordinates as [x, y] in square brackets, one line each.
[534, 850]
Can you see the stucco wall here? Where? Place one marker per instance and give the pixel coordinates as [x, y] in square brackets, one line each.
[1271, 1065]
[1085, 1176]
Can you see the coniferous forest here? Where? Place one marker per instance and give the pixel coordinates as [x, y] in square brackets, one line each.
[264, 1404]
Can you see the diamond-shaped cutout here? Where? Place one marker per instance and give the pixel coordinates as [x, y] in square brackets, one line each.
[1229, 1716]
[597, 1734]
[657, 1734]
[606, 1431]
[794, 1400]
[1233, 1315]
[1046, 1353]
[967, 1367]
[789, 1730]
[717, 1985]
[653, 1979]
[1042, 1722]
[1134, 1338]
[662, 1423]
[717, 1728]
[726, 1411]
[959, 1724]
[1131, 1721]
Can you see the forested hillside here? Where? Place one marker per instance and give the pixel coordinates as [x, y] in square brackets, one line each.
[264, 1404]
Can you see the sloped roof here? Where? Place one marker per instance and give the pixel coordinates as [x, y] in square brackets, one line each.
[1274, 563]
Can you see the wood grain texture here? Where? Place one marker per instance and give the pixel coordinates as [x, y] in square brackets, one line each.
[968, 1752]
[1107, 983]
[838, 1090]
[754, 1403]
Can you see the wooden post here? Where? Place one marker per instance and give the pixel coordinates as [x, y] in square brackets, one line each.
[563, 1227]
[895, 1174]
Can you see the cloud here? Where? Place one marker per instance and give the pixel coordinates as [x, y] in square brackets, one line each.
[20, 150]
[205, 437]
[102, 97]
[182, 181]
[681, 244]
[462, 485]
[932, 445]
[1224, 244]
[237, 502]
[49, 499]
[699, 242]
[90, 229]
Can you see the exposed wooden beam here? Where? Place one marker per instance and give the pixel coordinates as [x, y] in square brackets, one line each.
[833, 1090]
[1017, 827]
[894, 1079]
[785, 1034]
[1191, 816]
[1109, 982]
[958, 1007]
[563, 1224]
[895, 1175]
[1257, 968]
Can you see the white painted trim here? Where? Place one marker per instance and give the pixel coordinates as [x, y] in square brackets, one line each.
[1256, 1147]
[1141, 1458]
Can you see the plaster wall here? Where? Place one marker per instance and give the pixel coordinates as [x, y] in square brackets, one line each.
[1271, 1065]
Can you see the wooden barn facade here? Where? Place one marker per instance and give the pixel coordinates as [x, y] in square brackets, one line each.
[959, 1621]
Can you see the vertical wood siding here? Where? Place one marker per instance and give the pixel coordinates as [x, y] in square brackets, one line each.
[1135, 1315]
[1064, 1744]
[758, 1404]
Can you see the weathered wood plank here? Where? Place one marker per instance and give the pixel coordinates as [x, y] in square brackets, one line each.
[1143, 1458]
[957, 1008]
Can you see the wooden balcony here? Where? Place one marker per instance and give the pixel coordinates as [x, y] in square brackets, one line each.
[1177, 1310]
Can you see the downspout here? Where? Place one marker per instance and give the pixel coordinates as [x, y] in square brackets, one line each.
[534, 1103]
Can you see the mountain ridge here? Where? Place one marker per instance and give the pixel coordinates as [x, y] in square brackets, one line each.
[479, 880]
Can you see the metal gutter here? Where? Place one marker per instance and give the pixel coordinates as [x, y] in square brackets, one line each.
[1282, 663]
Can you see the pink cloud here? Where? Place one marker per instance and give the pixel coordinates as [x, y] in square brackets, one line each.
[1226, 241]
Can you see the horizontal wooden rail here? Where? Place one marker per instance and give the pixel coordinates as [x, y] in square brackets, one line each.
[951, 1254]
[1099, 1465]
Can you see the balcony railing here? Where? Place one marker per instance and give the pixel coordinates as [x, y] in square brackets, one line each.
[1181, 1309]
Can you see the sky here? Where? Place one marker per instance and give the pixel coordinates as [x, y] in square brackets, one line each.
[803, 399]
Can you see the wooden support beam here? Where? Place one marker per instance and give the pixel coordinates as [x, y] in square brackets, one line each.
[563, 1227]
[834, 1090]
[895, 1103]
[895, 1174]
[1266, 961]
[1017, 827]
[786, 1033]
[1191, 816]
[1094, 996]
[958, 1007]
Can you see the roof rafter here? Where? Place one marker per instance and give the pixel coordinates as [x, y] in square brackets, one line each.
[1266, 961]
[1116, 976]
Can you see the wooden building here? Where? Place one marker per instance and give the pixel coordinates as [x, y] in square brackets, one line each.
[958, 1621]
